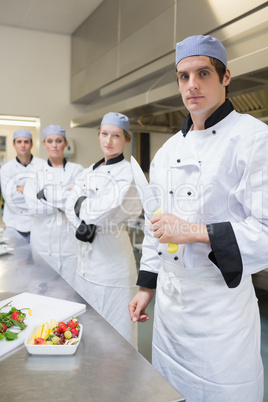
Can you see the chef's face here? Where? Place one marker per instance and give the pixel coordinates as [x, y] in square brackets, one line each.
[23, 146]
[201, 90]
[55, 145]
[112, 141]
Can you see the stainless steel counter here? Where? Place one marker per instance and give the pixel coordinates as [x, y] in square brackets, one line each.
[104, 368]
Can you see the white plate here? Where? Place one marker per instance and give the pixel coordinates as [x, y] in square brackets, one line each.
[41, 306]
[52, 349]
[5, 249]
[3, 239]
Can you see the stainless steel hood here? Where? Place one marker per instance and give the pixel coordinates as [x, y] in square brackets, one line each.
[147, 92]
[160, 108]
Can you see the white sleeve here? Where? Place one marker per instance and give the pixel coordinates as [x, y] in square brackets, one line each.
[37, 206]
[9, 183]
[117, 201]
[251, 232]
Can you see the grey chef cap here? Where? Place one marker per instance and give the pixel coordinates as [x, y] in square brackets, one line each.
[116, 119]
[53, 130]
[22, 133]
[201, 45]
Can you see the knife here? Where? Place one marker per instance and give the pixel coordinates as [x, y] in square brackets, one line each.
[149, 202]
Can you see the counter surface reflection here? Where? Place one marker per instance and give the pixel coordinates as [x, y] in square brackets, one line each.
[105, 366]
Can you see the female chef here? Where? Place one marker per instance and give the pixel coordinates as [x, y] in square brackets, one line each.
[101, 203]
[52, 236]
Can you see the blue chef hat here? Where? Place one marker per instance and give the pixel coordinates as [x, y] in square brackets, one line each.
[200, 45]
[116, 119]
[22, 133]
[53, 130]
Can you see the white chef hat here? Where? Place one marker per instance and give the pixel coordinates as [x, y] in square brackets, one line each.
[22, 133]
[116, 119]
[52, 129]
[201, 45]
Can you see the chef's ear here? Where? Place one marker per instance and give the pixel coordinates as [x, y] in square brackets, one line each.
[127, 137]
[227, 77]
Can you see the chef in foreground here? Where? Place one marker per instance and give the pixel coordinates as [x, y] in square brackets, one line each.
[212, 182]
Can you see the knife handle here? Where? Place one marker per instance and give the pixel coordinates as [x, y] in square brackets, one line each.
[172, 247]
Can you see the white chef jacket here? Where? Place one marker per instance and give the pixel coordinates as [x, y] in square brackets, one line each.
[106, 271]
[52, 234]
[206, 338]
[13, 174]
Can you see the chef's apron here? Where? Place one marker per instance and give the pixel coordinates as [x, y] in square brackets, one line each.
[200, 329]
[53, 238]
[106, 278]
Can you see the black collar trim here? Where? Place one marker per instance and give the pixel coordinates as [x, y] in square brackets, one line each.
[112, 161]
[215, 118]
[64, 163]
[17, 159]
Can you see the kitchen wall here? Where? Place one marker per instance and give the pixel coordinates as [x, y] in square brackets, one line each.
[35, 81]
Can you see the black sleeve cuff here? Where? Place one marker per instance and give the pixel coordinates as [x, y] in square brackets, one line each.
[78, 204]
[147, 279]
[225, 252]
[41, 195]
[85, 232]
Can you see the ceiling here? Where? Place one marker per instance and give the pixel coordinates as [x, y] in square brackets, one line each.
[55, 16]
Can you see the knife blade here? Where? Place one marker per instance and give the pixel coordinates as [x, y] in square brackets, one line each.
[149, 201]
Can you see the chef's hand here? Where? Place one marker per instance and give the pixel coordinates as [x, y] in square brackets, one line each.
[169, 228]
[139, 303]
[20, 189]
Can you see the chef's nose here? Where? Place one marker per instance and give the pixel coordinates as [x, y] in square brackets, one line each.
[109, 139]
[193, 82]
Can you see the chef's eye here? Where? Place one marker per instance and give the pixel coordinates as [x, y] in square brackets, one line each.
[183, 77]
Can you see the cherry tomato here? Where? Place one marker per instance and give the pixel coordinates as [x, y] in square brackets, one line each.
[17, 316]
[3, 327]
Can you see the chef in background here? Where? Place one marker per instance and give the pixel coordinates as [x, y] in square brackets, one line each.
[102, 202]
[213, 177]
[14, 174]
[52, 234]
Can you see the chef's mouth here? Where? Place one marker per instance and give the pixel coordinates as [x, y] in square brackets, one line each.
[195, 97]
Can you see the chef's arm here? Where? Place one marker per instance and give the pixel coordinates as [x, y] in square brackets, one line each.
[116, 202]
[169, 228]
[13, 191]
[20, 189]
[139, 303]
[225, 252]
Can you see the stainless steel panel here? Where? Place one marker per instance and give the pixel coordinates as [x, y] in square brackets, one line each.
[203, 16]
[149, 43]
[96, 36]
[135, 14]
[95, 75]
